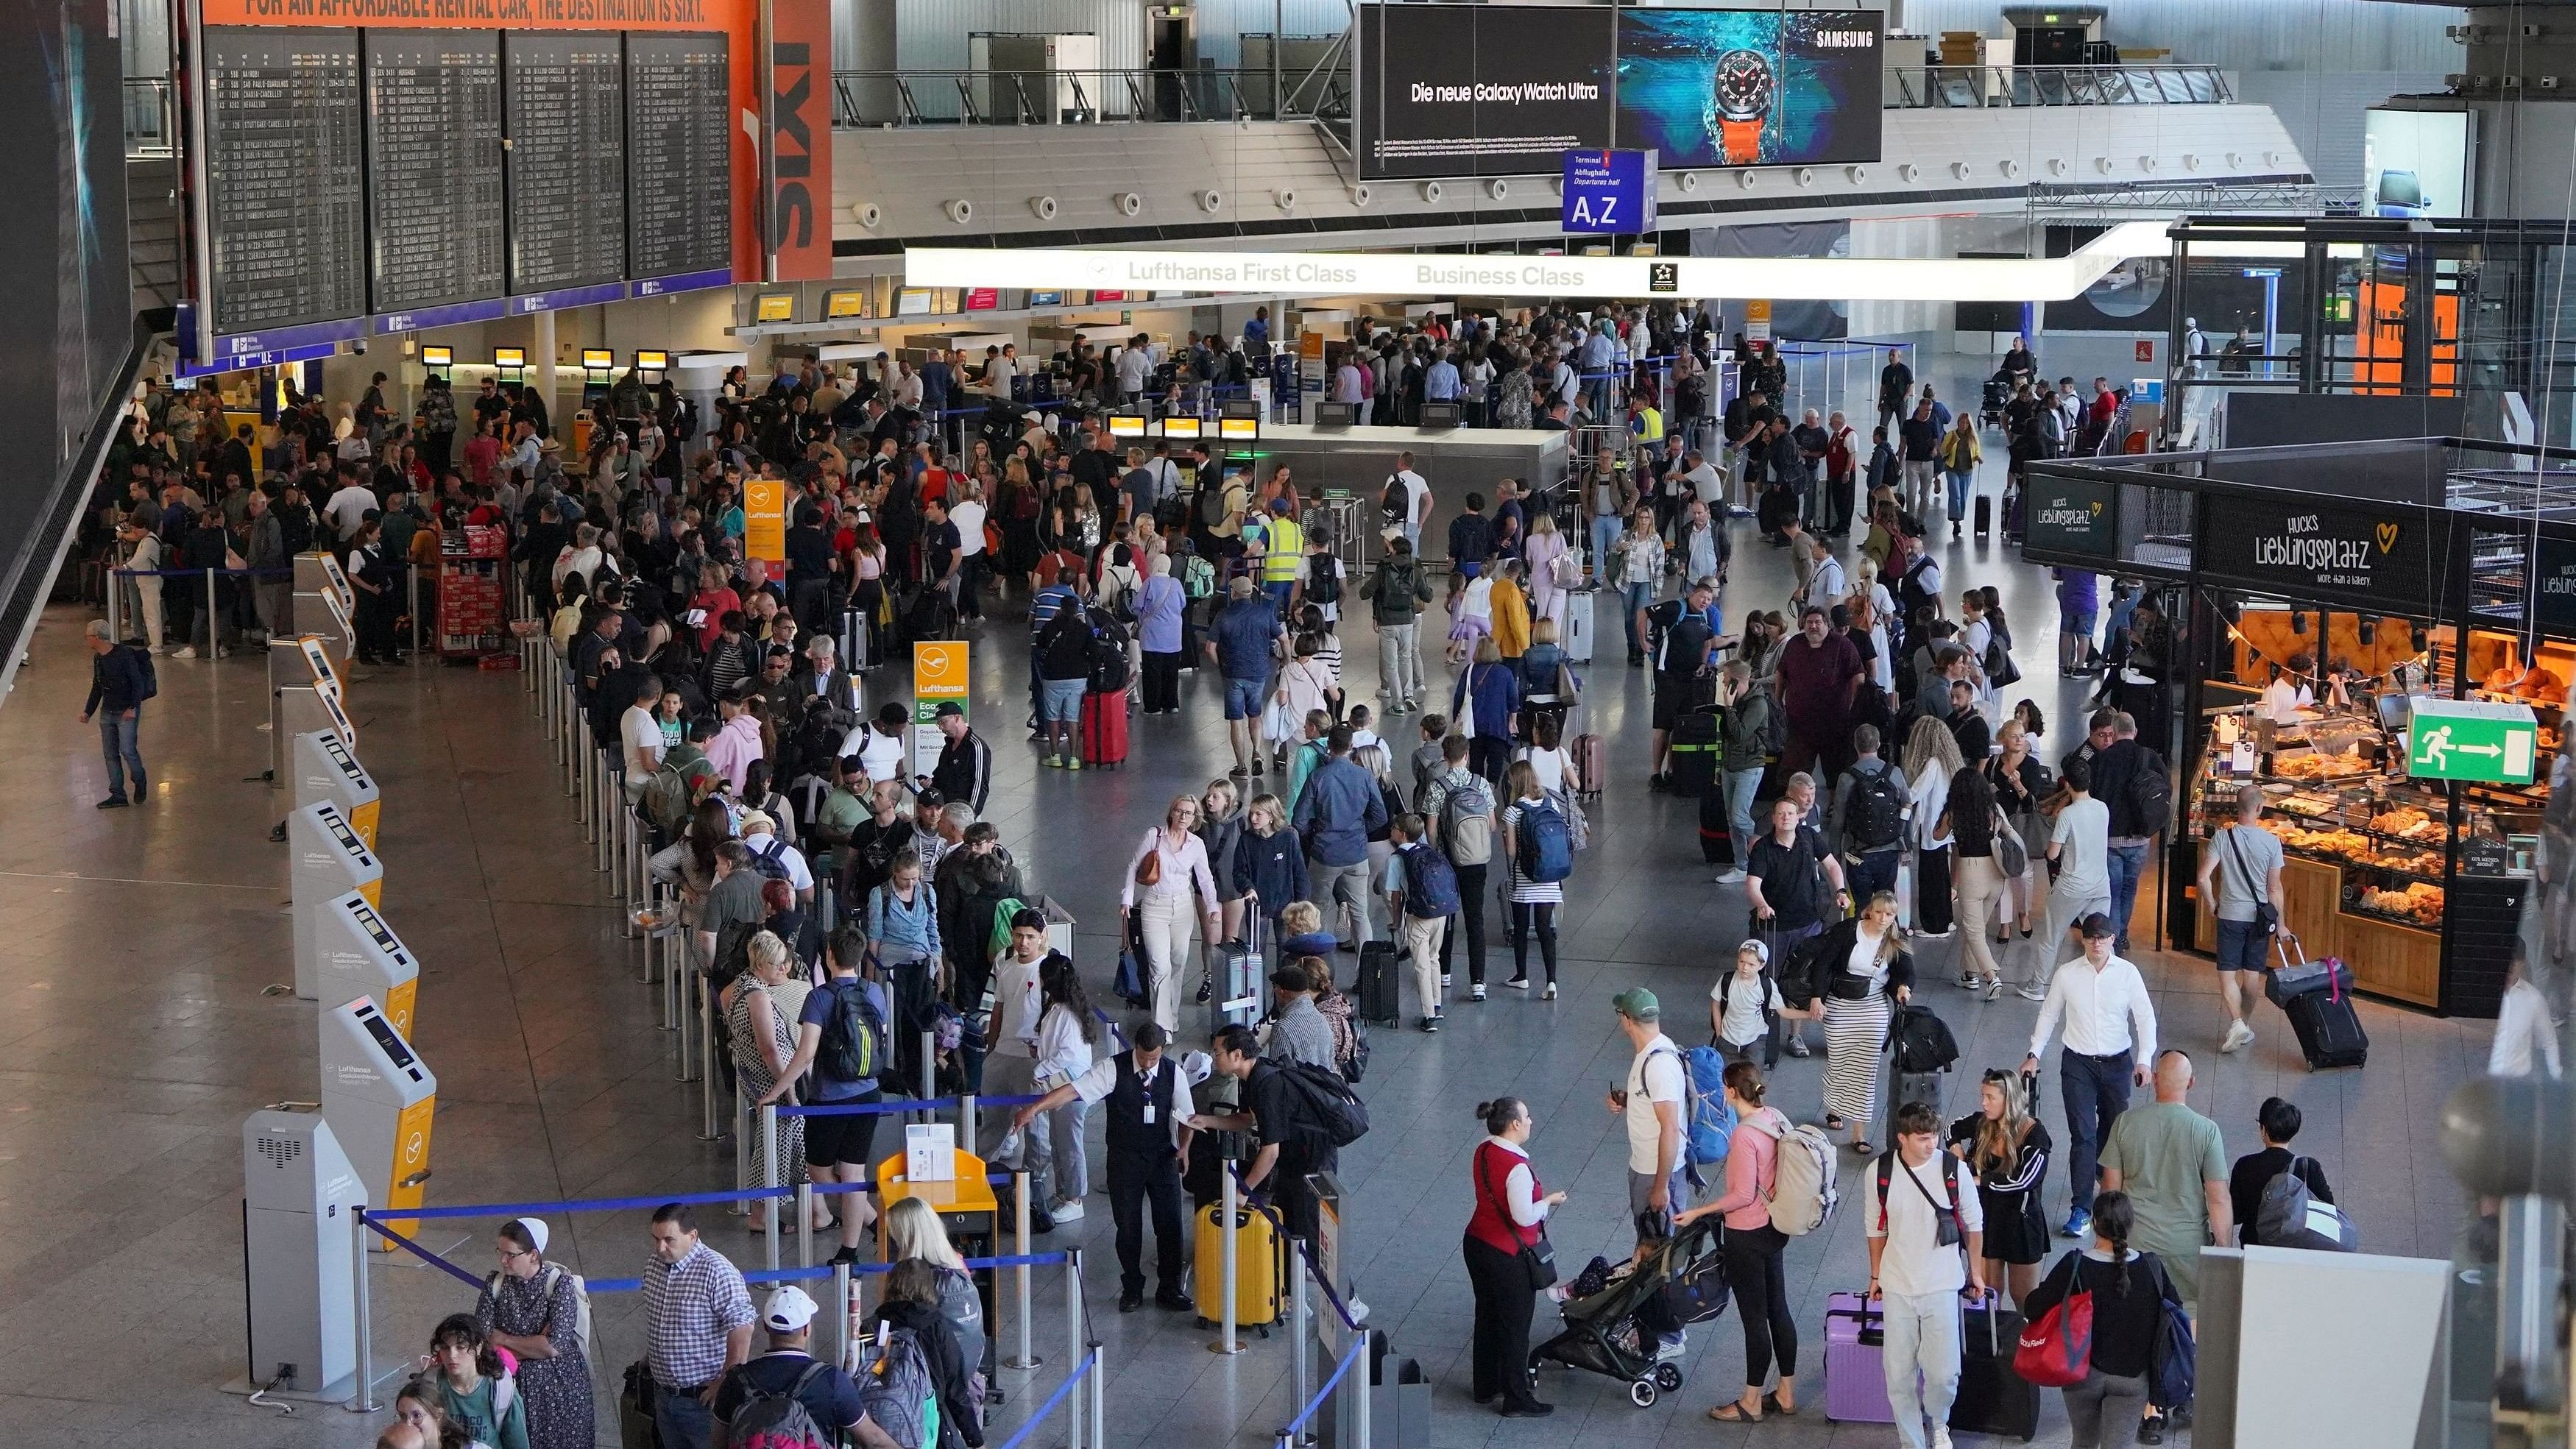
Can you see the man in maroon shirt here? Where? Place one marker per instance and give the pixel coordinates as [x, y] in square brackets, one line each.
[1819, 673]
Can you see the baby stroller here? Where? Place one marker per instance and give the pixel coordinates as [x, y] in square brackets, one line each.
[1615, 1324]
[1997, 394]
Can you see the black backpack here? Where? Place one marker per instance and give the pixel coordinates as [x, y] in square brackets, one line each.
[2151, 794]
[1324, 581]
[1395, 502]
[1875, 818]
[853, 1046]
[1108, 654]
[1921, 1040]
[1327, 1110]
[1065, 648]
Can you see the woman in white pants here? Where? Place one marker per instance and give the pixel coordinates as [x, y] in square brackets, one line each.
[1167, 884]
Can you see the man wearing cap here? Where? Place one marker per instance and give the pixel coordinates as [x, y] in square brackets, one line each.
[965, 769]
[697, 1320]
[1651, 1104]
[789, 1369]
[1147, 1125]
[2110, 1029]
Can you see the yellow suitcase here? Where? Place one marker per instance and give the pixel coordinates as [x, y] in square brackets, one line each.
[1256, 1268]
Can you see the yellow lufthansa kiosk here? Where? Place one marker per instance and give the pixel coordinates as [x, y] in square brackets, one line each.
[328, 860]
[305, 694]
[378, 1097]
[325, 605]
[356, 954]
[326, 769]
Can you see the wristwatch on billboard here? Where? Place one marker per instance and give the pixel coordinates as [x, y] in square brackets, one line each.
[1741, 101]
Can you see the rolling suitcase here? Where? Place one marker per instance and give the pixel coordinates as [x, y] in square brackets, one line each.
[1716, 842]
[2013, 530]
[1104, 729]
[1855, 1376]
[1904, 1087]
[1985, 514]
[2330, 1033]
[1576, 638]
[1592, 762]
[1256, 1268]
[1234, 996]
[1380, 1000]
[1992, 1398]
[1691, 768]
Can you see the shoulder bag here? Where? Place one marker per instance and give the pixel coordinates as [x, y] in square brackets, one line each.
[2267, 917]
[2012, 854]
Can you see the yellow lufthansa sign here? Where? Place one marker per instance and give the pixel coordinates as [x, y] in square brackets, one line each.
[939, 670]
[764, 520]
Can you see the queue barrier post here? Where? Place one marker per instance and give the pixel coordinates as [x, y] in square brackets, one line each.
[214, 624]
[741, 1148]
[1226, 1341]
[930, 1067]
[966, 1122]
[769, 1178]
[702, 1065]
[692, 1018]
[1357, 1386]
[843, 1311]
[1028, 1357]
[362, 1396]
[1073, 1405]
[805, 1224]
[1300, 1323]
[411, 588]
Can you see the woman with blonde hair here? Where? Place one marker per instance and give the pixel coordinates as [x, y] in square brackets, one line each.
[915, 1234]
[1511, 611]
[1868, 970]
[1168, 887]
[1931, 759]
[1547, 595]
[762, 1037]
[2009, 1149]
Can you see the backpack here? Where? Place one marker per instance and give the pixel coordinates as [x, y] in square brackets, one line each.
[1066, 653]
[732, 958]
[1886, 1170]
[1211, 504]
[1467, 822]
[1000, 941]
[1108, 655]
[1324, 579]
[1710, 1122]
[853, 1045]
[1430, 884]
[1198, 578]
[1395, 502]
[772, 861]
[780, 1420]
[143, 662]
[2151, 794]
[1803, 1195]
[1876, 815]
[894, 1387]
[1921, 1040]
[1327, 1108]
[1546, 848]
[553, 1274]
[1471, 538]
[2291, 1217]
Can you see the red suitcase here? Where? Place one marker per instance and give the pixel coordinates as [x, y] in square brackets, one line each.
[1591, 762]
[1104, 729]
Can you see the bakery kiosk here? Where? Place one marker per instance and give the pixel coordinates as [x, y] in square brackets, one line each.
[2381, 638]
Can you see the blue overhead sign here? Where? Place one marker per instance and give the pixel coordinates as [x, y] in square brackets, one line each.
[1610, 191]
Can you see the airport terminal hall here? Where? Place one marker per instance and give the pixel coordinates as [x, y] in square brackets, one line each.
[1288, 724]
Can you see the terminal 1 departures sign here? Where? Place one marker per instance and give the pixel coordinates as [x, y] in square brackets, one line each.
[1472, 90]
[1609, 191]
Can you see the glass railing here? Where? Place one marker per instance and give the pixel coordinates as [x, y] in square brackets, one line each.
[1977, 86]
[1087, 97]
[150, 123]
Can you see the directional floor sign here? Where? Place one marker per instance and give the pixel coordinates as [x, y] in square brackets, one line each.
[2451, 740]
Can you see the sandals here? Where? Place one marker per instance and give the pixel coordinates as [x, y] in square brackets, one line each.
[1732, 1412]
[1771, 1406]
[1834, 1122]
[1863, 1148]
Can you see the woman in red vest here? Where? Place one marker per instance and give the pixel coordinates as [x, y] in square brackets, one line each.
[1511, 1215]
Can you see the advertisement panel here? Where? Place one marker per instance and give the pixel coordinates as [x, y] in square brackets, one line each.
[2293, 548]
[2415, 163]
[1470, 90]
[1750, 87]
[1463, 90]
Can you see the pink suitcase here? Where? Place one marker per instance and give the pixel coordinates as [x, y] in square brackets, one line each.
[1855, 1376]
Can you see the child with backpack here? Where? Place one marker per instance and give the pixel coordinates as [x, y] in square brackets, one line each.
[1422, 893]
[1539, 849]
[1745, 1008]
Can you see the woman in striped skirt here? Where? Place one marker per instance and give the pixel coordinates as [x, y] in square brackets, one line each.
[1868, 969]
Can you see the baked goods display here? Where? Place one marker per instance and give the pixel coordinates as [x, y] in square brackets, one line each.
[2417, 905]
[2407, 823]
[2314, 766]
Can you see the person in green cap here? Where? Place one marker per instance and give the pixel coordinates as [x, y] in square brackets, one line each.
[1651, 1102]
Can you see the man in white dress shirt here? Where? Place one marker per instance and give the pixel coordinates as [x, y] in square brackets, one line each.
[2110, 1037]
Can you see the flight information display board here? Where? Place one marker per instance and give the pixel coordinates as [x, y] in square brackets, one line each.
[286, 177]
[567, 129]
[435, 207]
[679, 155]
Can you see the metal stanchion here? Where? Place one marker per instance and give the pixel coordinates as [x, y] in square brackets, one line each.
[1300, 1327]
[1099, 1394]
[116, 606]
[689, 1009]
[411, 587]
[741, 1148]
[966, 1122]
[769, 1178]
[930, 1074]
[1028, 1356]
[1356, 1384]
[842, 1312]
[805, 1224]
[1227, 1342]
[702, 1063]
[214, 627]
[675, 962]
[1073, 1406]
[362, 1397]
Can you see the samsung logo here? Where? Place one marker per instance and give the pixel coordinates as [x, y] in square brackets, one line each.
[1846, 39]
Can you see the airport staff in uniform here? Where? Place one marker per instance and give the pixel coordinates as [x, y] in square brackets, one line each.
[1147, 1124]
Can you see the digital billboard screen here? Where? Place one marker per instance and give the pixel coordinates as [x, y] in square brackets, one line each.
[1750, 87]
[1474, 90]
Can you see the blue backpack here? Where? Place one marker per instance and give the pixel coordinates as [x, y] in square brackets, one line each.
[1711, 1121]
[1430, 884]
[1546, 849]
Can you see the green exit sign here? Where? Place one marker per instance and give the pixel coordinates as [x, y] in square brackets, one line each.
[2495, 743]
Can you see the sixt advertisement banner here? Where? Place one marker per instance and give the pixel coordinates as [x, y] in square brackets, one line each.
[1470, 90]
[2292, 548]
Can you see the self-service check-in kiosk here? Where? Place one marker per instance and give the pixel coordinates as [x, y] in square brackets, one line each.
[299, 1192]
[304, 694]
[379, 1098]
[329, 861]
[355, 953]
[325, 604]
[326, 769]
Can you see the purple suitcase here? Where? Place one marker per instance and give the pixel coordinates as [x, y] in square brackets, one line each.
[1855, 1378]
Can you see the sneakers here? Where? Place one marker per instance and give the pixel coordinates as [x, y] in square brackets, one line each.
[1940, 1436]
[112, 802]
[1936, 935]
[1444, 980]
[1796, 1048]
[1518, 983]
[1073, 762]
[1969, 981]
[1430, 1023]
[1995, 988]
[1064, 1212]
[2031, 991]
[184, 651]
[2239, 1036]
[1732, 875]
[2077, 1225]
[1475, 993]
[1549, 994]
[1670, 1350]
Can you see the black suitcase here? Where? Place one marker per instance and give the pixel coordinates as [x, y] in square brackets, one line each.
[1716, 843]
[1236, 997]
[1992, 1398]
[1985, 514]
[1380, 1000]
[1691, 764]
[2330, 1033]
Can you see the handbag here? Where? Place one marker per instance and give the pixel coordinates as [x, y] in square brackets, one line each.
[2056, 1350]
[2267, 916]
[1537, 1259]
[2011, 854]
[1149, 871]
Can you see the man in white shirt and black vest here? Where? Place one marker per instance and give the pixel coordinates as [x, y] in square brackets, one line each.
[1147, 1125]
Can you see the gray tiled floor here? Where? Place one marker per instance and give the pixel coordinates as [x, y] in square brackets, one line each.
[134, 1035]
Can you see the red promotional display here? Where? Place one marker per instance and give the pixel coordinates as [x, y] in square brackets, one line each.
[472, 621]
